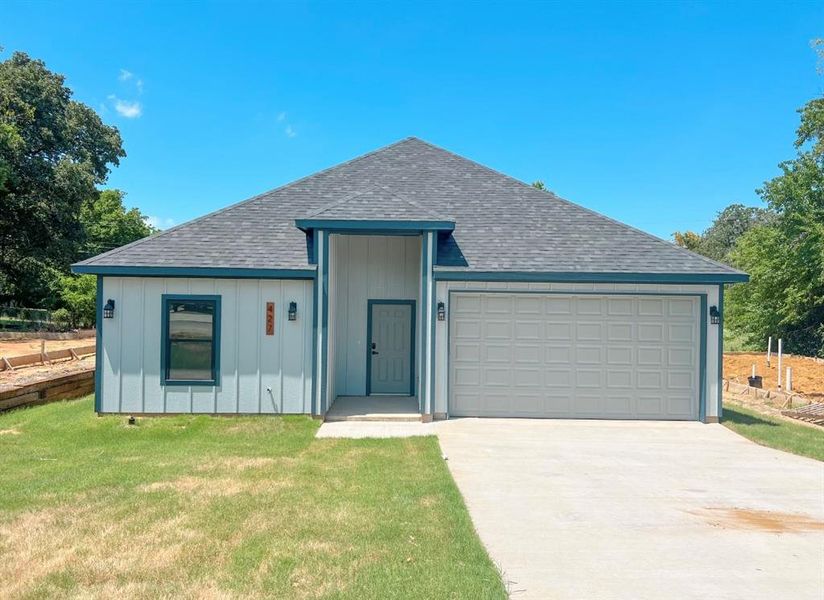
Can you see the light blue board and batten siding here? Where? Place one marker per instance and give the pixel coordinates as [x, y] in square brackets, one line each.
[250, 361]
[366, 268]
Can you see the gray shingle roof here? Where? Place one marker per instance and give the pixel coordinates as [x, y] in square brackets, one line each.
[375, 203]
[501, 224]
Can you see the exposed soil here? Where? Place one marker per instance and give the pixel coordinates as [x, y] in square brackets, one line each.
[30, 346]
[808, 374]
[759, 520]
[36, 373]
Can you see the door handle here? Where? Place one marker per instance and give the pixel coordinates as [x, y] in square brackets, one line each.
[374, 352]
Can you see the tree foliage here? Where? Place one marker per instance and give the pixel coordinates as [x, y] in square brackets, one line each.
[729, 225]
[107, 224]
[54, 151]
[785, 257]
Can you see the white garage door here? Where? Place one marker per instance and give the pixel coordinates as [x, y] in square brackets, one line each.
[574, 356]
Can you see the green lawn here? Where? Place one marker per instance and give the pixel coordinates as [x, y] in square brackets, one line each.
[775, 433]
[227, 507]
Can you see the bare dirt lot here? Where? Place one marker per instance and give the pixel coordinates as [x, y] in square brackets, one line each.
[33, 374]
[808, 374]
[20, 347]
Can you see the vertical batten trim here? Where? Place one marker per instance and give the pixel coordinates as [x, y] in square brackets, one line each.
[120, 351]
[98, 349]
[431, 345]
[142, 344]
[325, 323]
[720, 374]
[237, 346]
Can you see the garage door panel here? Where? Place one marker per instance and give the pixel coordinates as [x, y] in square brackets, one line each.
[619, 332]
[527, 353]
[651, 307]
[589, 306]
[558, 354]
[577, 356]
[497, 376]
[558, 378]
[619, 355]
[529, 330]
[650, 356]
[496, 353]
[681, 332]
[588, 332]
[558, 306]
[588, 378]
[589, 355]
[650, 332]
[619, 378]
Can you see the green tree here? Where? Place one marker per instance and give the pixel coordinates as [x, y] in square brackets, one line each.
[539, 185]
[53, 152]
[720, 238]
[785, 257]
[107, 224]
[688, 239]
[77, 295]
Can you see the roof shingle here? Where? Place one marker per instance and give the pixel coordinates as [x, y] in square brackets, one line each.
[501, 224]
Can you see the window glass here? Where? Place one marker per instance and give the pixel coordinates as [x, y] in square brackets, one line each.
[190, 340]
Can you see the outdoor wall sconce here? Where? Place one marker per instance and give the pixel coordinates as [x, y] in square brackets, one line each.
[441, 311]
[108, 310]
[715, 316]
[293, 311]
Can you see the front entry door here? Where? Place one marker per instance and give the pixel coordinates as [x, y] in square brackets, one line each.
[390, 349]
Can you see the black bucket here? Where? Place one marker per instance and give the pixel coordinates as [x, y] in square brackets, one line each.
[755, 382]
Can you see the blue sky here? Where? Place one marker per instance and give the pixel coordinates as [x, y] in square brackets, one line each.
[658, 115]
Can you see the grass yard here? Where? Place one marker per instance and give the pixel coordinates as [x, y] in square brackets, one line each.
[775, 433]
[201, 506]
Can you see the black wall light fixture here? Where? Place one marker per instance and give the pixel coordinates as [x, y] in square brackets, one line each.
[293, 311]
[715, 316]
[441, 311]
[108, 310]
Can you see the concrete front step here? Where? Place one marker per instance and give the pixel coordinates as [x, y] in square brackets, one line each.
[401, 418]
[374, 408]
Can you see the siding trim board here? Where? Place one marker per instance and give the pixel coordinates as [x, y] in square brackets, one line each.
[412, 345]
[702, 369]
[98, 348]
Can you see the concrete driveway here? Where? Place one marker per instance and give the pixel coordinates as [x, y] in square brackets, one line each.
[599, 509]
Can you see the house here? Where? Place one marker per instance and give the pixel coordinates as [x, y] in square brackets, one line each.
[410, 271]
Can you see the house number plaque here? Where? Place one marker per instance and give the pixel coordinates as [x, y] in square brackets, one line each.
[270, 318]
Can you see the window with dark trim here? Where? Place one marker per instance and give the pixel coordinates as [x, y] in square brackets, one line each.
[190, 352]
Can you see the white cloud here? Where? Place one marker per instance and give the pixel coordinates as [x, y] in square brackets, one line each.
[131, 109]
[281, 117]
[125, 75]
[160, 222]
[290, 132]
[139, 85]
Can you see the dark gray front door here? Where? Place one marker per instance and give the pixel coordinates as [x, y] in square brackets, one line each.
[390, 347]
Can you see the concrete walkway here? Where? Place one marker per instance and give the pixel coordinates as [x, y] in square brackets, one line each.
[600, 509]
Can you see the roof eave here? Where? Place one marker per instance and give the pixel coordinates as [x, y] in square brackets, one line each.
[208, 272]
[377, 226]
[592, 277]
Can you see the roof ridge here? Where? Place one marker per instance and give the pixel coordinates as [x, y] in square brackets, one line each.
[589, 210]
[242, 202]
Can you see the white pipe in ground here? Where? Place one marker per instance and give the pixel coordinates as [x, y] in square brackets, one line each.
[769, 350]
[789, 379]
[779, 363]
